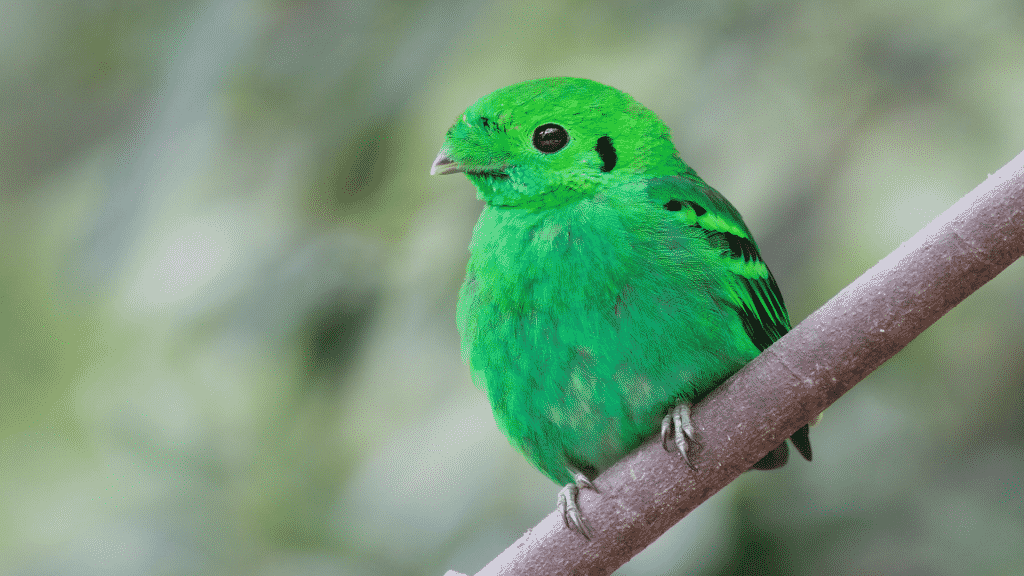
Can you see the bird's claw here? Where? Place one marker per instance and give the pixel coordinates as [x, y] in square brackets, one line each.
[569, 508]
[678, 427]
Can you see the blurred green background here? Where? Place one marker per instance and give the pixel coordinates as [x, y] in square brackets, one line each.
[227, 293]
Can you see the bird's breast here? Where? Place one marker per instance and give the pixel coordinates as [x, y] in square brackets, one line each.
[583, 328]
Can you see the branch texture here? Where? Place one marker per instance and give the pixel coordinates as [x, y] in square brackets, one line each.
[872, 319]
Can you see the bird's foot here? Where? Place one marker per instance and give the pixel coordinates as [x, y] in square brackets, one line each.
[677, 427]
[569, 508]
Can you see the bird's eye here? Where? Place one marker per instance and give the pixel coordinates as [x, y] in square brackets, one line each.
[550, 138]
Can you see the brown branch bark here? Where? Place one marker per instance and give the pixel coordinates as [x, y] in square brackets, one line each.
[821, 359]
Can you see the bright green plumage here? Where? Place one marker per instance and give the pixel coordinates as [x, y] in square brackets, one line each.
[607, 282]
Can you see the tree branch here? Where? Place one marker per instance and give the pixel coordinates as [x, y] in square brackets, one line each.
[872, 319]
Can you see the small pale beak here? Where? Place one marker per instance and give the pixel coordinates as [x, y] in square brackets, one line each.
[445, 165]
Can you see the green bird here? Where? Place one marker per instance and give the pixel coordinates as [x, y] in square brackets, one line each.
[608, 286]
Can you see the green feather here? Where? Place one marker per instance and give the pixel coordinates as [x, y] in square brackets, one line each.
[607, 282]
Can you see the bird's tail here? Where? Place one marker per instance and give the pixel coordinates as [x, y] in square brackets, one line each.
[778, 457]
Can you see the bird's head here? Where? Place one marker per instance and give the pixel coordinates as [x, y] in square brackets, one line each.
[544, 143]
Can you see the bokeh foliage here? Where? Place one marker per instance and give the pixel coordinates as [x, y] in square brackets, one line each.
[227, 340]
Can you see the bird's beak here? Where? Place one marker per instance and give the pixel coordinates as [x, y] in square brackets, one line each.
[445, 165]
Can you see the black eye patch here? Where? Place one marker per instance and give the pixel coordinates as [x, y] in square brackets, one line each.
[607, 153]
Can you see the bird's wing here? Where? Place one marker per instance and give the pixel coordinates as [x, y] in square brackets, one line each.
[752, 289]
